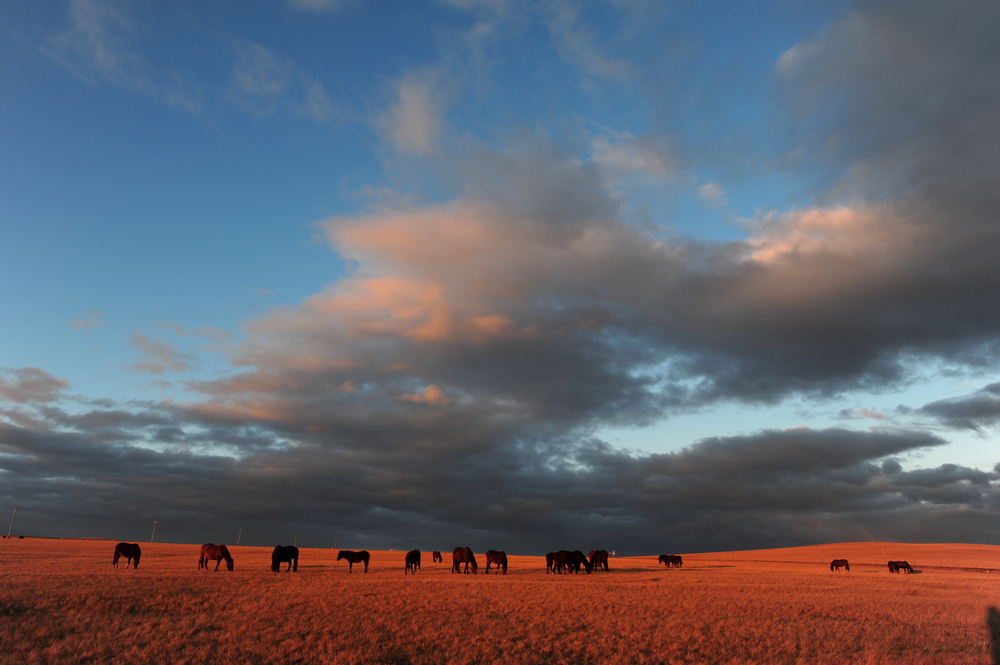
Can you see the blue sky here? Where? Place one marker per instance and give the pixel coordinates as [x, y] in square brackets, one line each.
[501, 270]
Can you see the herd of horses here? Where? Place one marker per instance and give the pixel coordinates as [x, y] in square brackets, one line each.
[462, 560]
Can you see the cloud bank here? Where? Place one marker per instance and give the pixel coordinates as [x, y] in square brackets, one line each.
[450, 386]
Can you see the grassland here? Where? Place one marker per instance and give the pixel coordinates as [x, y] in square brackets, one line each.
[62, 602]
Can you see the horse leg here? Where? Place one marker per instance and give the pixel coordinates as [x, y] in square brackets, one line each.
[366, 566]
[217, 562]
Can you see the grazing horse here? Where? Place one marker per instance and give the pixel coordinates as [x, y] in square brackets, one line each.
[353, 558]
[896, 566]
[561, 561]
[571, 561]
[130, 551]
[289, 555]
[412, 562]
[599, 560]
[463, 555]
[499, 558]
[550, 562]
[671, 560]
[436, 556]
[211, 552]
[836, 564]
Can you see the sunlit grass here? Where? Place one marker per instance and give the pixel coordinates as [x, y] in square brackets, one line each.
[61, 601]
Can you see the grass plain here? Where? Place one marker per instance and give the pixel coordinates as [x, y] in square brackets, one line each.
[62, 602]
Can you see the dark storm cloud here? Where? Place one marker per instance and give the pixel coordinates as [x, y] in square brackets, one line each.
[976, 411]
[409, 488]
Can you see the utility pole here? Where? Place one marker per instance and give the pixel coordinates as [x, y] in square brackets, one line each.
[12, 524]
[296, 543]
[238, 538]
[154, 531]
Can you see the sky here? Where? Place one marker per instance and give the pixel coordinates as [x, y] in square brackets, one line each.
[625, 275]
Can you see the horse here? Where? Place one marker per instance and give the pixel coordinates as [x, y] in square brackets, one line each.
[571, 561]
[289, 555]
[436, 556]
[216, 552]
[353, 558]
[412, 562]
[836, 565]
[671, 560]
[896, 566]
[499, 558]
[463, 555]
[130, 551]
[560, 561]
[550, 562]
[599, 560]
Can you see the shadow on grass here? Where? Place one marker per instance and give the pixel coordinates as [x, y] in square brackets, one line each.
[993, 625]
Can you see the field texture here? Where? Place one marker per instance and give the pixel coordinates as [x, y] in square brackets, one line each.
[61, 601]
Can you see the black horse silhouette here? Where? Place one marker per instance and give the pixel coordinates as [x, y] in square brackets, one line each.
[436, 556]
[837, 564]
[217, 553]
[130, 551]
[498, 558]
[412, 562]
[289, 555]
[463, 555]
[354, 557]
[671, 560]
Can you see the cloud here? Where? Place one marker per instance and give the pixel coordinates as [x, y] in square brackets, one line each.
[264, 83]
[972, 412]
[712, 195]
[577, 45]
[92, 318]
[99, 45]
[320, 6]
[413, 122]
[383, 475]
[159, 356]
[621, 153]
[30, 385]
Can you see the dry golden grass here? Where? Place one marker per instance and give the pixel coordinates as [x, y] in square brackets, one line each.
[61, 601]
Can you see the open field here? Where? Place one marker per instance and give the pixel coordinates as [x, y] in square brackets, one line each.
[61, 601]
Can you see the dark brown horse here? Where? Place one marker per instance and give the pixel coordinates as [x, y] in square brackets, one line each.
[570, 561]
[896, 566]
[289, 555]
[436, 556]
[210, 552]
[412, 562]
[353, 558]
[837, 564]
[599, 560]
[561, 561]
[130, 551]
[463, 555]
[671, 560]
[498, 558]
[550, 563]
